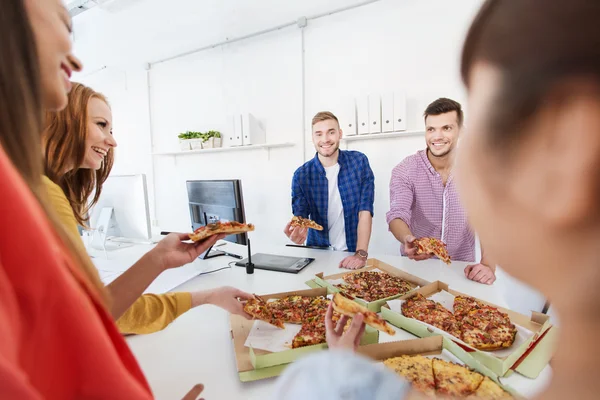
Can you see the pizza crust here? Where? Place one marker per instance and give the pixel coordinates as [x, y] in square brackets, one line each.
[350, 308]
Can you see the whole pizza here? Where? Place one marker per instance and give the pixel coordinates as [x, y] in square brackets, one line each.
[479, 325]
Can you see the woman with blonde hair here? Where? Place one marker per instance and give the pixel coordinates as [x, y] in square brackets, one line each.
[79, 154]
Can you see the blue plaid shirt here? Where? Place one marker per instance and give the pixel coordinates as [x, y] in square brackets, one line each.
[310, 195]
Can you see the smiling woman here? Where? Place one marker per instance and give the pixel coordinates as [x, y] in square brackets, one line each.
[78, 148]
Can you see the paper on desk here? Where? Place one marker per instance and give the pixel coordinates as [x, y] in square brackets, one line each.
[267, 337]
[447, 300]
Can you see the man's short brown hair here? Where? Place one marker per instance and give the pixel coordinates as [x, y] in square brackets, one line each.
[443, 106]
[324, 116]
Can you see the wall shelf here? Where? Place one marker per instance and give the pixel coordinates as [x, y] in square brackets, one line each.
[225, 149]
[372, 136]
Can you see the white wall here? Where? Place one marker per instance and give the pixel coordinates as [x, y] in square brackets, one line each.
[407, 45]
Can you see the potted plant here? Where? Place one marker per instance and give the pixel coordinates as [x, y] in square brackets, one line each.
[211, 139]
[185, 140]
[197, 140]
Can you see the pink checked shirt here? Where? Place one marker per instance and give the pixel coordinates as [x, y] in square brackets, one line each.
[419, 198]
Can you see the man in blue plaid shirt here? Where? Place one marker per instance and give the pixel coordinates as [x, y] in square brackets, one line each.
[336, 189]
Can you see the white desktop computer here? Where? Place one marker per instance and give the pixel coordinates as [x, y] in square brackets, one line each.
[122, 215]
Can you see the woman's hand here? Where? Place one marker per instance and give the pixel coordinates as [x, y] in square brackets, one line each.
[173, 251]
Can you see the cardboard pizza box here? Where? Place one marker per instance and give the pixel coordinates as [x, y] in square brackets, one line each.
[438, 346]
[528, 357]
[254, 364]
[372, 264]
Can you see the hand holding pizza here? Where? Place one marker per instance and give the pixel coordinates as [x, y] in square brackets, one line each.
[228, 298]
[173, 252]
[336, 338]
[410, 248]
[297, 234]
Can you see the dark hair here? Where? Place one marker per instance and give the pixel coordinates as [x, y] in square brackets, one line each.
[443, 106]
[324, 116]
[536, 45]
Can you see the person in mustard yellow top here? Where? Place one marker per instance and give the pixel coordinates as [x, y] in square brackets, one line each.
[79, 152]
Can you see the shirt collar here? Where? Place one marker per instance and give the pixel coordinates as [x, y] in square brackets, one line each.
[341, 161]
[425, 159]
[423, 154]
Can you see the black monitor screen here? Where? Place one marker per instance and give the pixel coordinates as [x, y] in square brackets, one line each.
[212, 201]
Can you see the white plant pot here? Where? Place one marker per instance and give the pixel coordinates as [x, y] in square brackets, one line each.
[184, 144]
[218, 142]
[212, 143]
[196, 144]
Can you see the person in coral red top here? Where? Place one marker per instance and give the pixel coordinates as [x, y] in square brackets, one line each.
[57, 339]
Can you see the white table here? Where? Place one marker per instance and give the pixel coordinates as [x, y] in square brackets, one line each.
[197, 347]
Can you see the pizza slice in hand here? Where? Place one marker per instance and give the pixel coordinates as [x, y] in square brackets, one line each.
[429, 245]
[298, 221]
[229, 228]
[259, 309]
[345, 306]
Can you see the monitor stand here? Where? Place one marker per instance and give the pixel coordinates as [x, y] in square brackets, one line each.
[207, 254]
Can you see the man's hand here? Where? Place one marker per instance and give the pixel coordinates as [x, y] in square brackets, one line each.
[336, 338]
[226, 297]
[480, 273]
[353, 262]
[173, 252]
[410, 249]
[296, 234]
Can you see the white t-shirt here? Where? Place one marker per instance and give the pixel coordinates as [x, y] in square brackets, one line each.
[335, 211]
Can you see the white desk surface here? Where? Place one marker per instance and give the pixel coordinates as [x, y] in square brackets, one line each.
[197, 347]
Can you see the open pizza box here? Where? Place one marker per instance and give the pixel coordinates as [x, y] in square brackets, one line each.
[372, 264]
[530, 353]
[434, 346]
[254, 363]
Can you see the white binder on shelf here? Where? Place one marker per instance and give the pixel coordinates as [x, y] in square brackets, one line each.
[387, 112]
[399, 112]
[348, 119]
[362, 114]
[234, 136]
[253, 131]
[374, 113]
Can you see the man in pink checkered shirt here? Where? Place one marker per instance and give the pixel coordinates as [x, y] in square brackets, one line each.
[423, 198]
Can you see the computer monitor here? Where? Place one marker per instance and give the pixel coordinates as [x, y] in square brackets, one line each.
[217, 200]
[122, 211]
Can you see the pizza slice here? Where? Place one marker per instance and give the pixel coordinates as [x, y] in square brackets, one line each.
[418, 370]
[488, 389]
[454, 380]
[487, 328]
[230, 228]
[310, 334]
[259, 309]
[430, 245]
[290, 309]
[464, 304]
[298, 221]
[345, 306]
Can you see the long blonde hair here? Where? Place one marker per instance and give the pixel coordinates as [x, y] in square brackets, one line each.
[64, 145]
[21, 117]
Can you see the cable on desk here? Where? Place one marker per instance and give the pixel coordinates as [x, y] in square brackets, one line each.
[216, 270]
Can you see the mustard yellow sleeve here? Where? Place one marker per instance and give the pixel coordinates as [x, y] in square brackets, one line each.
[61, 206]
[151, 313]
